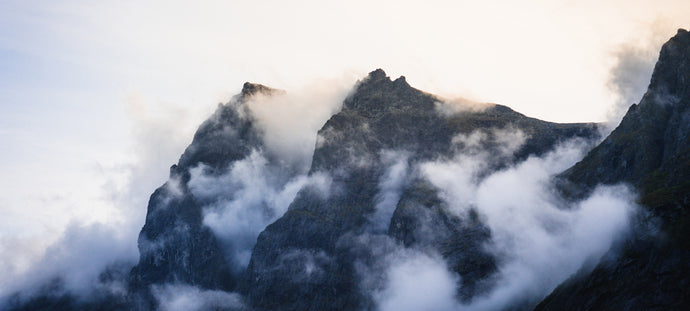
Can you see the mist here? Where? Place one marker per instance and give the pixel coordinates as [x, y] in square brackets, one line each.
[99, 99]
[249, 195]
[537, 238]
[180, 297]
[632, 70]
[289, 121]
[93, 251]
[252, 194]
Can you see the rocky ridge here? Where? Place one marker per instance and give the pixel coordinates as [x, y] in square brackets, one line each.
[314, 255]
[650, 150]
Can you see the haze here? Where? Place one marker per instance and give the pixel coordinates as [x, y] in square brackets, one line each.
[97, 100]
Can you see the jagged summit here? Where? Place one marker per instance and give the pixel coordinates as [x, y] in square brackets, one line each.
[672, 71]
[378, 76]
[377, 93]
[312, 253]
[652, 134]
[649, 150]
[249, 89]
[381, 117]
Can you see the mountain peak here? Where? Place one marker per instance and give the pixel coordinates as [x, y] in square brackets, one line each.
[377, 75]
[672, 70]
[401, 81]
[249, 89]
[376, 93]
[652, 135]
[681, 38]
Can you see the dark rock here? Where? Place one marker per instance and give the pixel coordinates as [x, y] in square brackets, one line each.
[311, 257]
[422, 220]
[650, 149]
[381, 115]
[174, 244]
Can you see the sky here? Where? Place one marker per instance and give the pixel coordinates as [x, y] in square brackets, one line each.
[98, 99]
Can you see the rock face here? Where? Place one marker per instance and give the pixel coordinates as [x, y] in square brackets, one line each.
[174, 244]
[316, 254]
[651, 140]
[324, 250]
[650, 149]
[382, 117]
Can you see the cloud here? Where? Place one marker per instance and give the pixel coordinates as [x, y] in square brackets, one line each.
[76, 265]
[476, 154]
[253, 192]
[304, 266]
[96, 228]
[632, 70]
[390, 188]
[417, 281]
[537, 238]
[180, 297]
[449, 107]
[540, 241]
[86, 54]
[396, 277]
[240, 203]
[289, 121]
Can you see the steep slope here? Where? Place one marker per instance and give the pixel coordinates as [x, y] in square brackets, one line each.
[328, 230]
[174, 244]
[650, 149]
[366, 198]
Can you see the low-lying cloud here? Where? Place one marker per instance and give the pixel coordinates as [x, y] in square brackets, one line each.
[449, 107]
[289, 121]
[181, 297]
[390, 189]
[248, 195]
[253, 193]
[105, 238]
[538, 238]
[418, 281]
[632, 70]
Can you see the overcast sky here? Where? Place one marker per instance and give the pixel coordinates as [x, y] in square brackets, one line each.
[98, 99]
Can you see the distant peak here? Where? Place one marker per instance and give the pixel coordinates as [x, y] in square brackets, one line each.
[672, 70]
[249, 89]
[681, 35]
[401, 81]
[377, 74]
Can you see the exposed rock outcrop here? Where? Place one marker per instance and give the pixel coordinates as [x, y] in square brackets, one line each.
[650, 149]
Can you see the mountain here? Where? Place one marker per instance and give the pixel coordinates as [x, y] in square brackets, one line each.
[379, 118]
[650, 149]
[174, 244]
[238, 228]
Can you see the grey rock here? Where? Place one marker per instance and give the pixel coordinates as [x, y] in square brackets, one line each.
[650, 149]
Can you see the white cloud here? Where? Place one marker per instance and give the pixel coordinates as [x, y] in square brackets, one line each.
[70, 69]
[390, 188]
[290, 121]
[182, 297]
[241, 202]
[417, 281]
[539, 239]
[77, 259]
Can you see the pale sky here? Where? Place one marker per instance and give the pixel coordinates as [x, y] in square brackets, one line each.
[99, 98]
